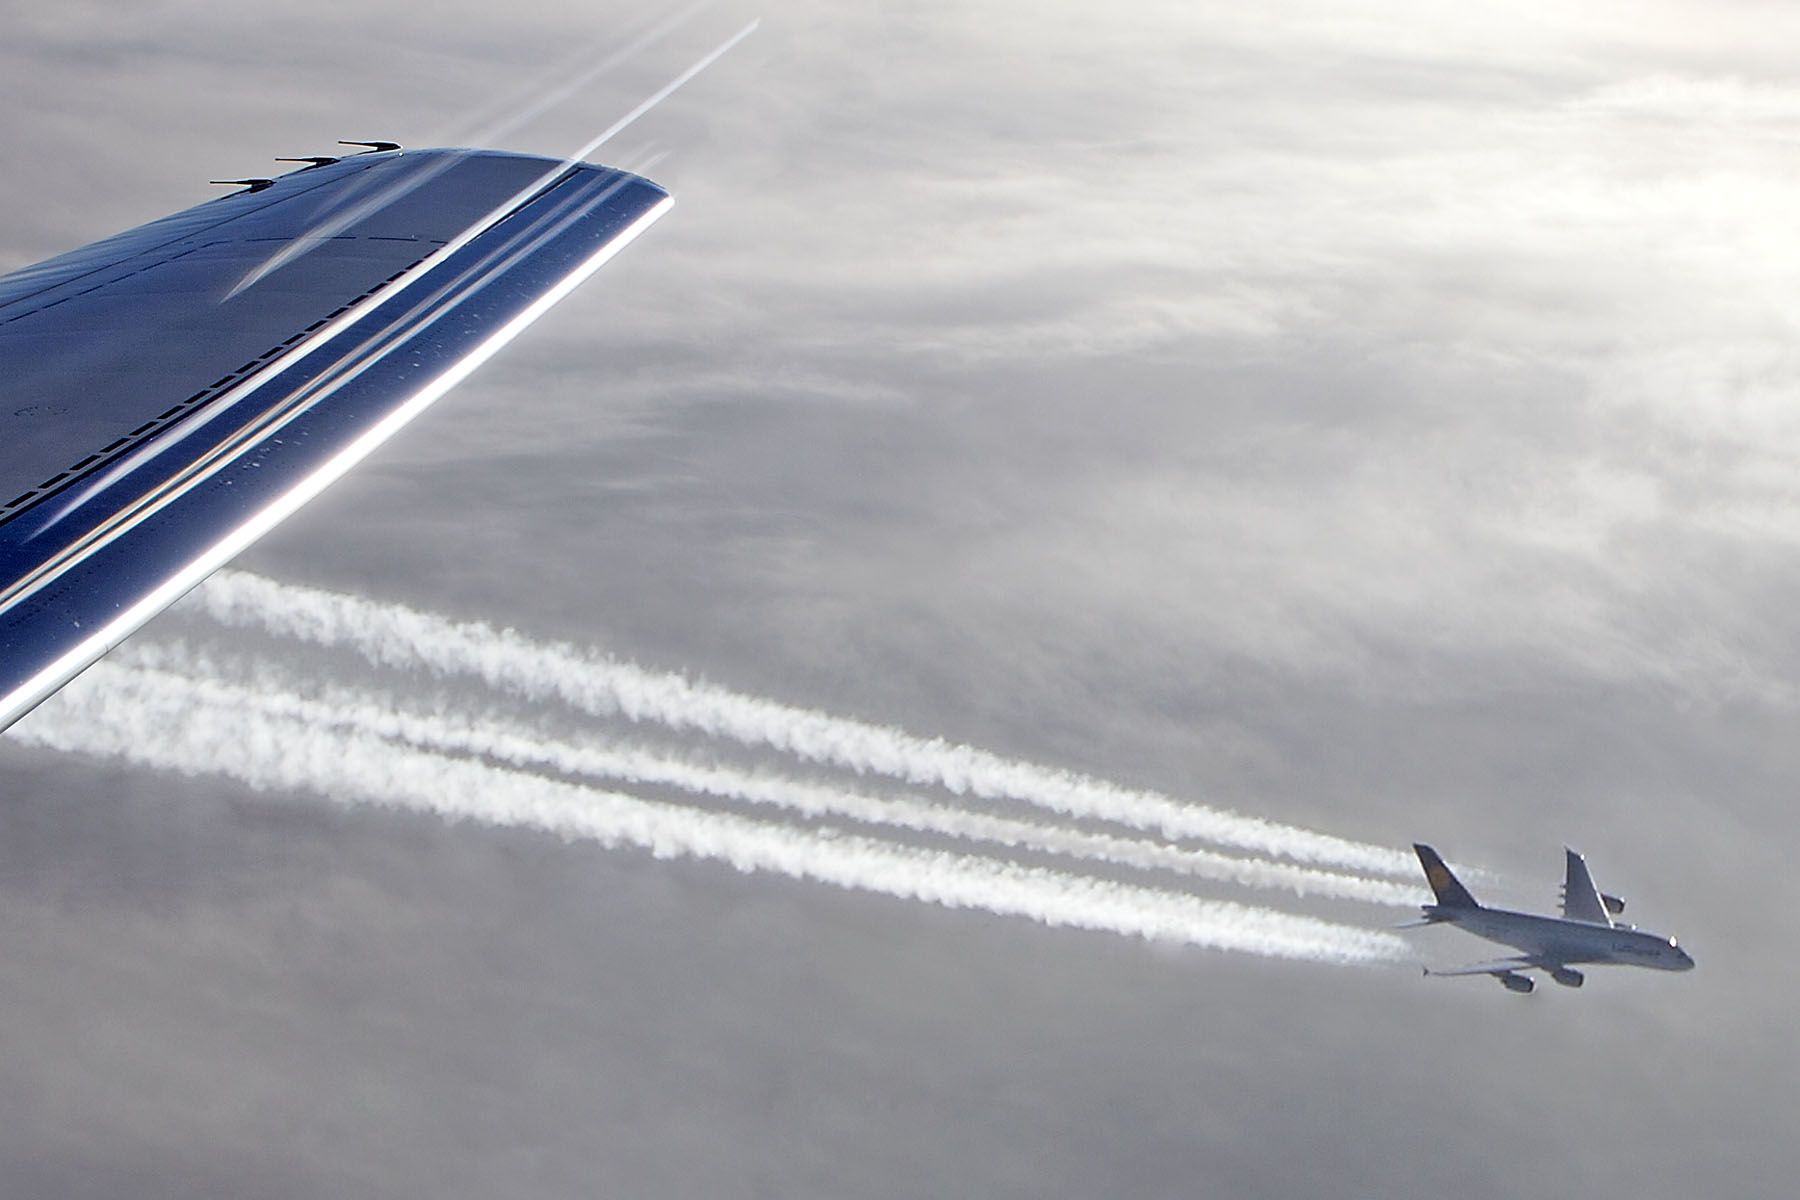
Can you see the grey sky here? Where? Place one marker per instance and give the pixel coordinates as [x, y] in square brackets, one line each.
[1375, 421]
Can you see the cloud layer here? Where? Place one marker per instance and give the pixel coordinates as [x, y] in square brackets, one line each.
[1374, 422]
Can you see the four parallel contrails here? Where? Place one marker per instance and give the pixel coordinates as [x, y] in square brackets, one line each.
[264, 687]
[167, 722]
[176, 706]
[392, 635]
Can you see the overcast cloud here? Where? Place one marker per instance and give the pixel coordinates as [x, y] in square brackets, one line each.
[1378, 421]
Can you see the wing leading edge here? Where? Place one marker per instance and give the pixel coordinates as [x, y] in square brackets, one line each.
[170, 398]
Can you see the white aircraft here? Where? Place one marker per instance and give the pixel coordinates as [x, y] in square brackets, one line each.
[1585, 933]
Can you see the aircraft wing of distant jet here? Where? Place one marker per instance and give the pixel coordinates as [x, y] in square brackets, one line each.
[1585, 934]
[172, 393]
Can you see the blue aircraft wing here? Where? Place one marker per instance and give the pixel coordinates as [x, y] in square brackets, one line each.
[170, 394]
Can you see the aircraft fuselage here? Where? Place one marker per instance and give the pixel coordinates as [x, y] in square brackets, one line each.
[1557, 940]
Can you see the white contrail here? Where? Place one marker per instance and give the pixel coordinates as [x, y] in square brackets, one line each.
[154, 721]
[270, 692]
[397, 636]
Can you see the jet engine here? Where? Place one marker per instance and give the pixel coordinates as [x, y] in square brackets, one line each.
[1613, 904]
[1568, 977]
[1515, 983]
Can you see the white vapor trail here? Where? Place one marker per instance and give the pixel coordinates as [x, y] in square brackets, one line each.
[396, 636]
[269, 692]
[156, 720]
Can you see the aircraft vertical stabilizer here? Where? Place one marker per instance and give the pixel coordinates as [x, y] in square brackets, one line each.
[1449, 890]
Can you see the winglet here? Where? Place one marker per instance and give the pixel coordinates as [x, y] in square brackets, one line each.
[1450, 892]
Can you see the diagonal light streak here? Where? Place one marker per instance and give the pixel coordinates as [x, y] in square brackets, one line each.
[325, 230]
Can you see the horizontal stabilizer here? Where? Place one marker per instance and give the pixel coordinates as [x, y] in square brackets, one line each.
[1427, 919]
[1500, 966]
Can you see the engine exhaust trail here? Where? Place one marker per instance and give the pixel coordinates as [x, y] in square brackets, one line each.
[162, 723]
[393, 635]
[269, 691]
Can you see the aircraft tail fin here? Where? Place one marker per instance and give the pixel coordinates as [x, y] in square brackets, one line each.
[1450, 891]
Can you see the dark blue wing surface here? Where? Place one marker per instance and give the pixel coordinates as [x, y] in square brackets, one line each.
[170, 394]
